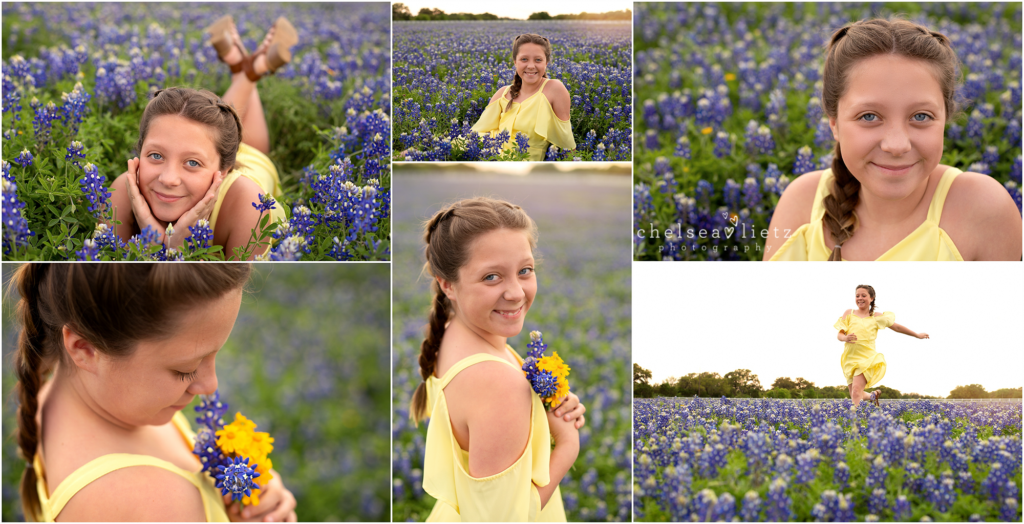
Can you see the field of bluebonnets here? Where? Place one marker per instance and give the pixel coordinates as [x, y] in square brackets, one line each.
[77, 77]
[729, 111]
[316, 381]
[791, 460]
[446, 72]
[582, 307]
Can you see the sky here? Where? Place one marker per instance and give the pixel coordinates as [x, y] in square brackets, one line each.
[520, 9]
[776, 319]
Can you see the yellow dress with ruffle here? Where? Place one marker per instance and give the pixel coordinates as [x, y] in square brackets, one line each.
[52, 504]
[927, 242]
[509, 496]
[257, 167]
[534, 117]
[859, 357]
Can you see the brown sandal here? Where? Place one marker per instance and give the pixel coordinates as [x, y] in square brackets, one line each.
[278, 53]
[222, 40]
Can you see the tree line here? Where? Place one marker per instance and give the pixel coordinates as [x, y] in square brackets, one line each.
[742, 383]
[400, 11]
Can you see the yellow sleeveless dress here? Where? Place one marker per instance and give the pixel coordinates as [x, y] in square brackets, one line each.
[509, 496]
[859, 357]
[52, 505]
[927, 242]
[257, 167]
[533, 117]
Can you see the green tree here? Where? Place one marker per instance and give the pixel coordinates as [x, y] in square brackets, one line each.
[744, 382]
[969, 391]
[666, 388]
[543, 15]
[1006, 393]
[889, 393]
[400, 11]
[778, 393]
[784, 383]
[641, 375]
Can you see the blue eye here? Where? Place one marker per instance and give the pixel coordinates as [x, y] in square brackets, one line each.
[156, 156]
[193, 163]
[870, 117]
[525, 271]
[490, 278]
[926, 117]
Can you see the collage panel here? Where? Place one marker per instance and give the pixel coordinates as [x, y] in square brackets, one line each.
[569, 317]
[522, 81]
[166, 131]
[812, 396]
[743, 108]
[278, 368]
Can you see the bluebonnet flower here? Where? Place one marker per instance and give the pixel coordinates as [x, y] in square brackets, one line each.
[763, 141]
[731, 193]
[1015, 170]
[75, 150]
[145, 238]
[289, 249]
[237, 478]
[663, 169]
[723, 146]
[991, 155]
[683, 147]
[89, 251]
[74, 108]
[207, 450]
[267, 203]
[15, 227]
[779, 504]
[24, 159]
[804, 162]
[7, 171]
[877, 502]
[201, 236]
[751, 192]
[1015, 193]
[651, 140]
[823, 135]
[1013, 130]
[704, 505]
[901, 508]
[975, 127]
[211, 411]
[92, 185]
[980, 167]
[844, 508]
[1009, 510]
[944, 497]
[704, 192]
[42, 122]
[806, 464]
[841, 476]
[974, 86]
[751, 510]
[814, 111]
[599, 152]
[994, 483]
[704, 117]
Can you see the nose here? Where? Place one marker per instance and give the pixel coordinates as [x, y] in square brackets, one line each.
[206, 380]
[514, 291]
[169, 177]
[896, 141]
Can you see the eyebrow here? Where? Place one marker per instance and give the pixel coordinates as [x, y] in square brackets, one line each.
[497, 267]
[188, 152]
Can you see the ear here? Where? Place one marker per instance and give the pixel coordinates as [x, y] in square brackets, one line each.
[835, 130]
[82, 352]
[447, 288]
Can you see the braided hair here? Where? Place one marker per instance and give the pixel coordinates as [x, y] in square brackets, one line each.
[448, 235]
[855, 42]
[113, 306]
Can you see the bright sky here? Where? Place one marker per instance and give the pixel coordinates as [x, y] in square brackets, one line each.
[520, 9]
[776, 320]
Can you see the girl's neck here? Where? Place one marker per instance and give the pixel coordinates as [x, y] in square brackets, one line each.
[877, 212]
[68, 391]
[864, 311]
[491, 343]
[525, 91]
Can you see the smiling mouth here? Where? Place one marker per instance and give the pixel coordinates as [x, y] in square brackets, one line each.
[894, 169]
[509, 314]
[167, 198]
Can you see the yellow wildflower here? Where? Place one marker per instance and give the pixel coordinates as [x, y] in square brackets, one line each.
[554, 365]
[706, 131]
[253, 500]
[243, 422]
[262, 443]
[561, 392]
[729, 77]
[233, 439]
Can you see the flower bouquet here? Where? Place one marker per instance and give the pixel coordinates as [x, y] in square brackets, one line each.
[548, 375]
[236, 455]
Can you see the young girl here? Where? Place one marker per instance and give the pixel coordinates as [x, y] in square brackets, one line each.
[533, 104]
[888, 91]
[201, 157]
[862, 365]
[488, 452]
[107, 358]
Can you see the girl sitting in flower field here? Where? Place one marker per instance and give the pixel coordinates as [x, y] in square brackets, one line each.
[203, 158]
[858, 328]
[103, 354]
[517, 108]
[888, 91]
[488, 453]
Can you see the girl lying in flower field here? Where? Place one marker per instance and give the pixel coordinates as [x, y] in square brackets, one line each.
[203, 158]
[102, 353]
[889, 87]
[488, 453]
[537, 121]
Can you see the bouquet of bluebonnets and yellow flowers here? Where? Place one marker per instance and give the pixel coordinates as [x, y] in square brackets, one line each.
[549, 376]
[236, 455]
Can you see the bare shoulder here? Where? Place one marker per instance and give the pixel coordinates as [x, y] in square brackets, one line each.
[555, 87]
[237, 209]
[847, 312]
[793, 210]
[491, 381]
[119, 497]
[981, 218]
[499, 92]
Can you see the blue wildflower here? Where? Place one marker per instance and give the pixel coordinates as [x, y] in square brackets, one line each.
[779, 504]
[237, 478]
[24, 159]
[683, 147]
[267, 203]
[15, 228]
[723, 146]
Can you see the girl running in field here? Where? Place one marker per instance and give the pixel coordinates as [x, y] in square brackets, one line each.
[108, 356]
[888, 91]
[862, 365]
[533, 105]
[205, 158]
[488, 453]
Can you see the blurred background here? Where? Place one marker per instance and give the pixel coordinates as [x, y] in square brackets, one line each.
[308, 362]
[583, 307]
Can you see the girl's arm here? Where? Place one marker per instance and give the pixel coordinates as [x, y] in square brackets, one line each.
[238, 218]
[981, 218]
[906, 331]
[567, 448]
[793, 211]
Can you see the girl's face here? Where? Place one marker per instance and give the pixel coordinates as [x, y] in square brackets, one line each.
[497, 285]
[863, 298]
[161, 377]
[890, 124]
[531, 63]
[176, 165]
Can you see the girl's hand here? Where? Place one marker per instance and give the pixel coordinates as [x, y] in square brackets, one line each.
[140, 208]
[277, 504]
[202, 210]
[571, 410]
[923, 335]
[563, 432]
[852, 337]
